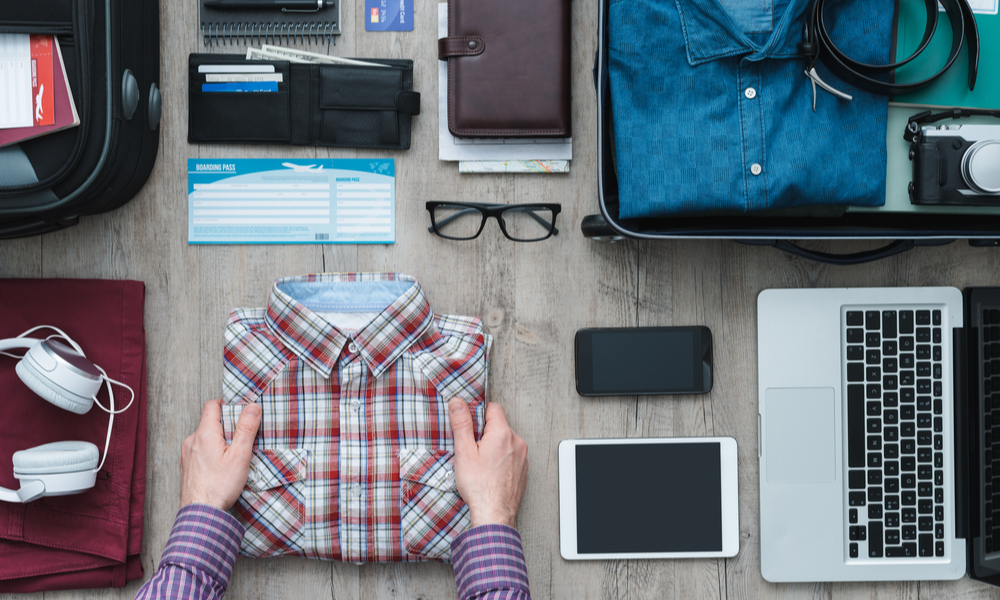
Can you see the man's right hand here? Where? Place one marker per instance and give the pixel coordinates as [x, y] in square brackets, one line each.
[492, 473]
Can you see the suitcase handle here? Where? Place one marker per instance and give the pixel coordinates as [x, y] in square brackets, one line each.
[857, 258]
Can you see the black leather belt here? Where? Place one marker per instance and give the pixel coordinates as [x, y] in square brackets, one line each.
[817, 44]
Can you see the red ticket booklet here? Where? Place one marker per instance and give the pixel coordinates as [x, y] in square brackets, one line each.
[53, 106]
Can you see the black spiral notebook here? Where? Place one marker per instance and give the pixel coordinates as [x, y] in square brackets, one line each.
[273, 26]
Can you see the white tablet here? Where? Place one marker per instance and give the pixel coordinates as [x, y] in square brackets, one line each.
[648, 498]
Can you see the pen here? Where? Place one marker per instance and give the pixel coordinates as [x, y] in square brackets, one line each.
[285, 5]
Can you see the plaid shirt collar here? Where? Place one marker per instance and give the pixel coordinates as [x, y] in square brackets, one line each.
[380, 343]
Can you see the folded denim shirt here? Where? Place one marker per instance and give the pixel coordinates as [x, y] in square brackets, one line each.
[713, 110]
[354, 459]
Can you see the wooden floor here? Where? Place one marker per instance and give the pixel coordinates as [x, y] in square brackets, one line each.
[533, 297]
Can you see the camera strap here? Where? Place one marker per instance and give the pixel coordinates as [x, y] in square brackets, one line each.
[818, 45]
[914, 123]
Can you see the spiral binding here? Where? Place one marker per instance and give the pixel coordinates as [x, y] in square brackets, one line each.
[268, 33]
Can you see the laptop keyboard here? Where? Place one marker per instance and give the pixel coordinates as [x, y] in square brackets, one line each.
[991, 423]
[895, 429]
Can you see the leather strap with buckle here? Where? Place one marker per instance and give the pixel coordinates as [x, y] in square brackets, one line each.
[817, 44]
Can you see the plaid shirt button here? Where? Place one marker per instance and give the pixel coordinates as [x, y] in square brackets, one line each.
[356, 489]
[352, 347]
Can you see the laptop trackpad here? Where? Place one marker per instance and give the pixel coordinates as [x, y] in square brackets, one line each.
[799, 426]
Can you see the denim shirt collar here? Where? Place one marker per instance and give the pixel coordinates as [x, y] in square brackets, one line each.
[711, 34]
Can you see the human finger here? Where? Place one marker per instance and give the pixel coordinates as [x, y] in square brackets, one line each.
[496, 418]
[211, 416]
[462, 428]
[246, 431]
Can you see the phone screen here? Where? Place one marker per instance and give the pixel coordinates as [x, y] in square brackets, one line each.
[649, 498]
[643, 360]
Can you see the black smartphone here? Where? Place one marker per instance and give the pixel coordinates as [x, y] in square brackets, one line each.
[643, 361]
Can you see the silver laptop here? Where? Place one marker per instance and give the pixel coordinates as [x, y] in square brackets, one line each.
[875, 433]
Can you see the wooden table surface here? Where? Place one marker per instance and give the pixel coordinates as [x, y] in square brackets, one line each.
[532, 297]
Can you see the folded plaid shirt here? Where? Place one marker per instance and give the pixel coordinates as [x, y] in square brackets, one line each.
[354, 458]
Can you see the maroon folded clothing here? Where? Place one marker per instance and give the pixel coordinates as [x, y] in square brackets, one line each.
[91, 539]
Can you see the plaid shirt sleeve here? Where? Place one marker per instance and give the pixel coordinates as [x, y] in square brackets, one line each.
[489, 564]
[199, 556]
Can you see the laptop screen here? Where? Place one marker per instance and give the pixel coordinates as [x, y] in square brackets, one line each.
[983, 419]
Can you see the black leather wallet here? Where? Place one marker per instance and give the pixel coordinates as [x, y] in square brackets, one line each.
[315, 105]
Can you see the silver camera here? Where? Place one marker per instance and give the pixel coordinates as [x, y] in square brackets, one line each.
[956, 164]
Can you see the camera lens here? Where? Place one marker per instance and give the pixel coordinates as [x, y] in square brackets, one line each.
[981, 167]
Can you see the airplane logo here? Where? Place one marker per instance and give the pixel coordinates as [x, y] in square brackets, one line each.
[302, 168]
[39, 114]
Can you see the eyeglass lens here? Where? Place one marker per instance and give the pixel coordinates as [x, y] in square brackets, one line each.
[457, 222]
[528, 223]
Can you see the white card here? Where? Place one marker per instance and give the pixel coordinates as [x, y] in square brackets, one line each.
[236, 68]
[241, 78]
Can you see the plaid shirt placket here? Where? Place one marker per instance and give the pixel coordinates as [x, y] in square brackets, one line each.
[198, 559]
[313, 382]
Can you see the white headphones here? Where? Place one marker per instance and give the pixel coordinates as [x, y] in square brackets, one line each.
[62, 375]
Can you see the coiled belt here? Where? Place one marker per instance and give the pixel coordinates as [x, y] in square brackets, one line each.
[818, 45]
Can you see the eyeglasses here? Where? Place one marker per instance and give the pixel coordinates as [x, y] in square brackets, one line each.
[518, 222]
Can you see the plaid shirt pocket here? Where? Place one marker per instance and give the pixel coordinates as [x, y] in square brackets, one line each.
[272, 505]
[432, 512]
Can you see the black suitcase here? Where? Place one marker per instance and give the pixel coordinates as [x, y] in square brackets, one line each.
[111, 49]
[903, 230]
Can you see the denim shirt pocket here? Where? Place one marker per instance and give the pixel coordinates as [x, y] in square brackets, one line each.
[432, 513]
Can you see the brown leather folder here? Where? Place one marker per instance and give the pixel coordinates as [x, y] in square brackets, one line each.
[508, 68]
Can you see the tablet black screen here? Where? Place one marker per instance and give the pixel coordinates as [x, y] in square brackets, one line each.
[648, 498]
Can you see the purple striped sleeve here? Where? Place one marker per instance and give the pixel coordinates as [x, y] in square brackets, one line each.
[489, 564]
[199, 556]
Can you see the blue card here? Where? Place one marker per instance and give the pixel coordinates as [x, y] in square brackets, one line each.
[388, 15]
[253, 86]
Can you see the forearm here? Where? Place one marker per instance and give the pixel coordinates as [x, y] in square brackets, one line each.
[489, 564]
[199, 556]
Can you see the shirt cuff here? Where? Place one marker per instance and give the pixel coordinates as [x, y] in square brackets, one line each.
[204, 539]
[489, 558]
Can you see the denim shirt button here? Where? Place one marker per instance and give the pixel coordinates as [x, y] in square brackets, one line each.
[750, 93]
[756, 169]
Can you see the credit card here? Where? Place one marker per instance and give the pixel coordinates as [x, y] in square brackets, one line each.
[260, 86]
[388, 15]
[242, 78]
[244, 68]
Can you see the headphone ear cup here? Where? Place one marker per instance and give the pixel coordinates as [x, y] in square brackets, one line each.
[41, 385]
[56, 458]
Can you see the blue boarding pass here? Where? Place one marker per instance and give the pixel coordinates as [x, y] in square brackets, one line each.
[291, 201]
